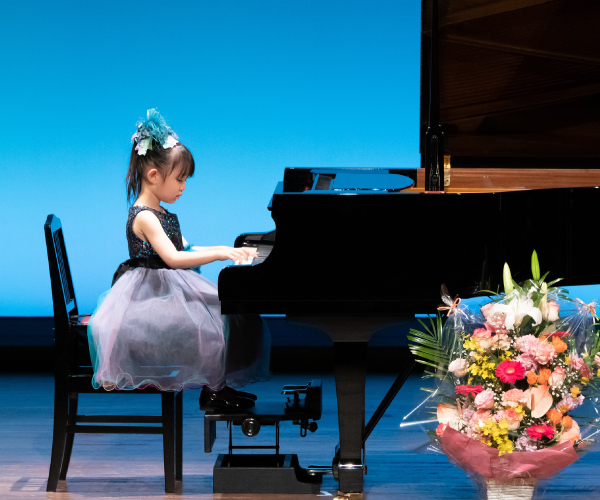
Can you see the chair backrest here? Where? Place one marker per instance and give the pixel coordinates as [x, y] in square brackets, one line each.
[63, 293]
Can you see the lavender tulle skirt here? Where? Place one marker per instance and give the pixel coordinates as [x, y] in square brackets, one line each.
[163, 328]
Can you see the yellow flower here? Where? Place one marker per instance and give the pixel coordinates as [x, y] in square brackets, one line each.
[567, 360]
[470, 345]
[574, 391]
[498, 432]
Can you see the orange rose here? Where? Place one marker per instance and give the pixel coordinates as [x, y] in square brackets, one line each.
[558, 344]
[532, 378]
[567, 421]
[555, 416]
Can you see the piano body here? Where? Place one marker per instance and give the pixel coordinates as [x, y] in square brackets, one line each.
[510, 135]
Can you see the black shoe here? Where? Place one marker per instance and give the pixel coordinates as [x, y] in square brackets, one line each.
[240, 394]
[223, 400]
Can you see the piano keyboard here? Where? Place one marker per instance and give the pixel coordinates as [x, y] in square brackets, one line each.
[263, 252]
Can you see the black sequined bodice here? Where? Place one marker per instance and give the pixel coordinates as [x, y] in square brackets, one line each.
[168, 221]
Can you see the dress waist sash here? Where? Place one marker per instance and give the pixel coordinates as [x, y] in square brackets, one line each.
[150, 262]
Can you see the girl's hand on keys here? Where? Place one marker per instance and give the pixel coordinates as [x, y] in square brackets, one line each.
[237, 255]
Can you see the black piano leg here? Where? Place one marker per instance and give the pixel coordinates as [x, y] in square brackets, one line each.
[350, 364]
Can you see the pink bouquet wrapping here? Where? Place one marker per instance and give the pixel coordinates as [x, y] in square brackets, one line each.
[478, 458]
[517, 383]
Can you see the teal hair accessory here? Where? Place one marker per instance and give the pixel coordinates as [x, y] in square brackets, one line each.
[153, 127]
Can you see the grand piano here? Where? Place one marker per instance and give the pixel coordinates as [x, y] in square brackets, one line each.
[510, 136]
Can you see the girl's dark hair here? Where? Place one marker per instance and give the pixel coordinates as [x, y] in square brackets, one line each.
[164, 160]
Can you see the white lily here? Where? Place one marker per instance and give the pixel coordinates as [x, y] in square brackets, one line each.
[524, 307]
[516, 310]
[507, 278]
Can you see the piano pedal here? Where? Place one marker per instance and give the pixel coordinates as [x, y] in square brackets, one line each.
[319, 470]
[348, 496]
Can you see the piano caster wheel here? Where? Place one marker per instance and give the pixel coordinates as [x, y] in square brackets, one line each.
[250, 427]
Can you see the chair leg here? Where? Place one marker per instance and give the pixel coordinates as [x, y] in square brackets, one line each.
[168, 428]
[179, 436]
[61, 407]
[71, 420]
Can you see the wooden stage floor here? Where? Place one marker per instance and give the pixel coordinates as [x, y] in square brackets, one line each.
[128, 467]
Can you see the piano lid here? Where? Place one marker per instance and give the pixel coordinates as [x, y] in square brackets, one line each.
[519, 81]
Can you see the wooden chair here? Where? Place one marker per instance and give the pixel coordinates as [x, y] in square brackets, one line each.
[73, 376]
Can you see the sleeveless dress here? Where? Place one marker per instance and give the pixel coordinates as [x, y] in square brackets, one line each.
[163, 327]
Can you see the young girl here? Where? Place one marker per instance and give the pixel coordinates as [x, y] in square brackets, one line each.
[160, 324]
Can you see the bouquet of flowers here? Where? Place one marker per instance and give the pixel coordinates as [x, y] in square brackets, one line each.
[511, 380]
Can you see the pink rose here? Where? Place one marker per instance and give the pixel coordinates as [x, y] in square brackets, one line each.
[597, 360]
[495, 317]
[502, 341]
[552, 311]
[459, 367]
[481, 333]
[558, 377]
[483, 337]
[485, 399]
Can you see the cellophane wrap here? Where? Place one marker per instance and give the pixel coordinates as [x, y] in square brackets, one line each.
[513, 387]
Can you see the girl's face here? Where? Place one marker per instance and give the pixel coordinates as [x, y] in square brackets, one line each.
[169, 189]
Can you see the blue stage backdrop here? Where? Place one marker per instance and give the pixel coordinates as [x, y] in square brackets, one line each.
[250, 86]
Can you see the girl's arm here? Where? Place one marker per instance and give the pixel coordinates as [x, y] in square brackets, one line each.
[147, 227]
[194, 248]
[250, 250]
